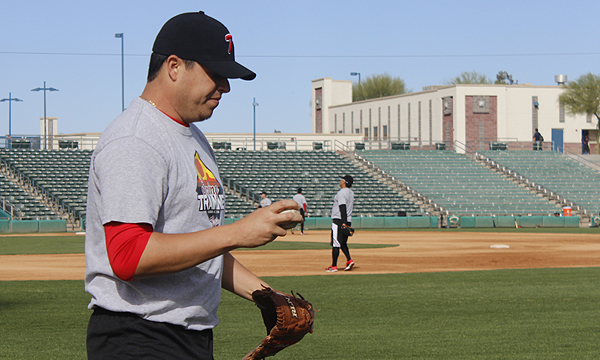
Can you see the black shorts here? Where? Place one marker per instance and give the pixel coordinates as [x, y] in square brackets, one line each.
[338, 238]
[126, 336]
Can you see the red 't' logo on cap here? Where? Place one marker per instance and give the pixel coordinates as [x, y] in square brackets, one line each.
[229, 39]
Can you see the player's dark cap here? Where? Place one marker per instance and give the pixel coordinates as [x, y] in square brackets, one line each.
[299, 190]
[196, 36]
[348, 179]
[263, 193]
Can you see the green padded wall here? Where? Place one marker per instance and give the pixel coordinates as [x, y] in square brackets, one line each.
[52, 226]
[505, 222]
[24, 226]
[419, 222]
[375, 222]
[4, 226]
[370, 223]
[395, 222]
[522, 221]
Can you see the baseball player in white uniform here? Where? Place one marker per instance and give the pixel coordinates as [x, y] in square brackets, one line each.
[265, 201]
[301, 201]
[341, 217]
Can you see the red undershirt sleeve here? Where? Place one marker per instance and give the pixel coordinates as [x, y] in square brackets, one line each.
[125, 244]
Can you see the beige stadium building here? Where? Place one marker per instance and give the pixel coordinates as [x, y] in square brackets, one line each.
[459, 117]
[465, 118]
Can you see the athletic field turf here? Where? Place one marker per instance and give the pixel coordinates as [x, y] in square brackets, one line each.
[549, 313]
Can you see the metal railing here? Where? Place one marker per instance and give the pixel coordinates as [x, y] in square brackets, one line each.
[30, 185]
[54, 142]
[373, 168]
[13, 211]
[269, 143]
[241, 190]
[508, 144]
[398, 144]
[512, 174]
[579, 158]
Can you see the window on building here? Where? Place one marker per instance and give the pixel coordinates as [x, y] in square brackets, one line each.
[335, 123]
[385, 132]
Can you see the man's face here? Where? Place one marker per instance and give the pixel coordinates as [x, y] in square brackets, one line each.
[199, 93]
[342, 183]
[263, 195]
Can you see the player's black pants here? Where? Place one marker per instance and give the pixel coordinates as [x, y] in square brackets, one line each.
[303, 217]
[124, 336]
[339, 240]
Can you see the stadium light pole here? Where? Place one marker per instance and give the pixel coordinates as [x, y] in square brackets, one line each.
[354, 74]
[10, 100]
[45, 126]
[120, 35]
[254, 105]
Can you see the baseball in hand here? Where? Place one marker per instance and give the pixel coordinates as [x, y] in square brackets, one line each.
[289, 224]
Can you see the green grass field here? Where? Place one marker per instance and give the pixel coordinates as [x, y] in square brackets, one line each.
[75, 245]
[501, 314]
[505, 314]
[15, 245]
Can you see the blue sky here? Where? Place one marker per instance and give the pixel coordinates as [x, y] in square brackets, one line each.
[72, 46]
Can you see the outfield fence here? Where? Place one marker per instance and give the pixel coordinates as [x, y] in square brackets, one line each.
[8, 226]
[432, 222]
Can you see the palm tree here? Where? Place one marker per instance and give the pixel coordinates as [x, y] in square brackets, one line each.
[582, 96]
[504, 78]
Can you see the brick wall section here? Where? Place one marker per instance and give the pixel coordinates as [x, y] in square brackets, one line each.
[575, 148]
[490, 121]
[448, 122]
[319, 111]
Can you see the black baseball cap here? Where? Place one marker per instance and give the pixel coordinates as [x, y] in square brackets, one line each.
[348, 179]
[196, 36]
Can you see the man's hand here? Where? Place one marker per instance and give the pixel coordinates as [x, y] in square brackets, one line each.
[264, 225]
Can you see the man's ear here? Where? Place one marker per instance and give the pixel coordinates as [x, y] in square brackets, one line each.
[173, 65]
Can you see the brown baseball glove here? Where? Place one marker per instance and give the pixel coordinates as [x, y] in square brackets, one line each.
[287, 318]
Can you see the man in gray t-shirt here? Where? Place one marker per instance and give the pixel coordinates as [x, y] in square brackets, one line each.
[157, 252]
[264, 200]
[341, 218]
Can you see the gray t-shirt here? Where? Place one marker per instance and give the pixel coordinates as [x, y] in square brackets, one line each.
[149, 169]
[265, 202]
[343, 197]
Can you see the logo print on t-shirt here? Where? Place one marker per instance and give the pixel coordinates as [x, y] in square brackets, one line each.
[210, 192]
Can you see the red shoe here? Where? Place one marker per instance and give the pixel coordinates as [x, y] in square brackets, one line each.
[332, 269]
[349, 265]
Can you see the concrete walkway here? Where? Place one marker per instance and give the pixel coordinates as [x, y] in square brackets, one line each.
[592, 161]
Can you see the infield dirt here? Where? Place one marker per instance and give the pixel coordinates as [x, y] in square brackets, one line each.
[410, 251]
